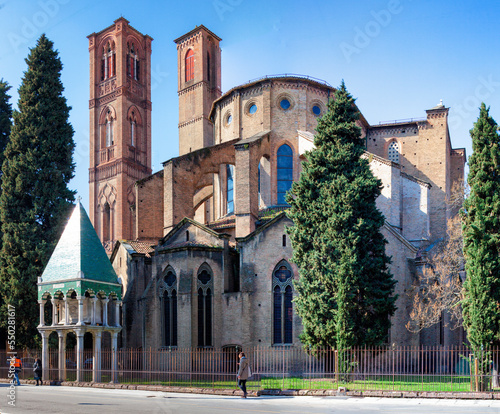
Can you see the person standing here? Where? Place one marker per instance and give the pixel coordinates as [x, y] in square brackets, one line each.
[37, 369]
[243, 374]
[17, 369]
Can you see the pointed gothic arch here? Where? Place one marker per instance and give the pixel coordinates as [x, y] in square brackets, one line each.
[205, 290]
[134, 121]
[168, 298]
[107, 121]
[282, 318]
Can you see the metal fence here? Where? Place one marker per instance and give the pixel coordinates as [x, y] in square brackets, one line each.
[438, 369]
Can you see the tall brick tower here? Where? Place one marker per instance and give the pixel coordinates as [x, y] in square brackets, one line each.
[199, 85]
[120, 127]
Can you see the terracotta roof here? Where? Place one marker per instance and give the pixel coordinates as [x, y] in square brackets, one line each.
[189, 244]
[143, 247]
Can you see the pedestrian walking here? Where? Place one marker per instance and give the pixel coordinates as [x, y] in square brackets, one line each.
[17, 369]
[37, 369]
[243, 373]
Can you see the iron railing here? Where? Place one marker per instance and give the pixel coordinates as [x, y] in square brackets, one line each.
[438, 369]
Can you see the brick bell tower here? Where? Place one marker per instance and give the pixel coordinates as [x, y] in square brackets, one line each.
[120, 127]
[199, 85]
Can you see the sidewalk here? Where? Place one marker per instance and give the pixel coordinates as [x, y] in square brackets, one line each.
[288, 393]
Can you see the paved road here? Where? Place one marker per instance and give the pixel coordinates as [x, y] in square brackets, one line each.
[73, 400]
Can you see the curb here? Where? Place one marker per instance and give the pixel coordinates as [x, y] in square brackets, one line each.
[276, 393]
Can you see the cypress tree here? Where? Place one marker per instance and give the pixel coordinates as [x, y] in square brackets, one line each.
[345, 291]
[35, 198]
[5, 126]
[481, 230]
[5, 116]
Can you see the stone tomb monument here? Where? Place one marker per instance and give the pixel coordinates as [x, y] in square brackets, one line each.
[85, 294]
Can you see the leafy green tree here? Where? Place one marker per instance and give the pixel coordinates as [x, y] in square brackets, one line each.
[345, 291]
[481, 230]
[35, 198]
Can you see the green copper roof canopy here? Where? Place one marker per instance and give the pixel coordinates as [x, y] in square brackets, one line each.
[79, 261]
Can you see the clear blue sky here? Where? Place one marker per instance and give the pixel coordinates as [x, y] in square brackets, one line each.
[397, 57]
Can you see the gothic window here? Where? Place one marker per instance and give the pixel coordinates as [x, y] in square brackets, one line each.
[230, 188]
[285, 172]
[282, 304]
[109, 132]
[169, 299]
[106, 225]
[133, 70]
[132, 133]
[393, 152]
[205, 295]
[108, 62]
[189, 61]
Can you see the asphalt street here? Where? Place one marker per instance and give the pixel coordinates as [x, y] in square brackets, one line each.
[75, 400]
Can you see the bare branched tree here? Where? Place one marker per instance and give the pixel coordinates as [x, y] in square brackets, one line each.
[440, 286]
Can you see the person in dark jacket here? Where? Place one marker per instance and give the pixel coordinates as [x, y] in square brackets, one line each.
[37, 369]
[243, 371]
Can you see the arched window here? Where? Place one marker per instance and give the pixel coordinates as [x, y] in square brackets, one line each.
[106, 223]
[169, 309]
[132, 133]
[132, 62]
[189, 61]
[205, 294]
[285, 172]
[230, 188]
[109, 132]
[108, 63]
[282, 304]
[393, 152]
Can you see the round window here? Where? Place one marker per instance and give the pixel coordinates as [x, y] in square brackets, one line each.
[252, 109]
[229, 119]
[316, 110]
[285, 104]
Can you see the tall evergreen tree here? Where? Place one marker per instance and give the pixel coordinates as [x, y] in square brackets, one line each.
[5, 126]
[345, 291]
[481, 230]
[5, 117]
[35, 198]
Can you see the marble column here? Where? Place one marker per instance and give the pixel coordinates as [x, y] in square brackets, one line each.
[114, 356]
[80, 311]
[62, 355]
[94, 304]
[79, 353]
[45, 354]
[42, 312]
[66, 310]
[105, 311]
[96, 374]
[54, 311]
[117, 312]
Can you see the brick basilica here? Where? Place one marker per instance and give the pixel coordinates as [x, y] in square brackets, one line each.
[200, 246]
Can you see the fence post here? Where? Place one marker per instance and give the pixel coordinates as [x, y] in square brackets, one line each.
[336, 356]
[476, 379]
[283, 369]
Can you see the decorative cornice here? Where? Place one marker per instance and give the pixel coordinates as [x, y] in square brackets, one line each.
[192, 121]
[120, 166]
